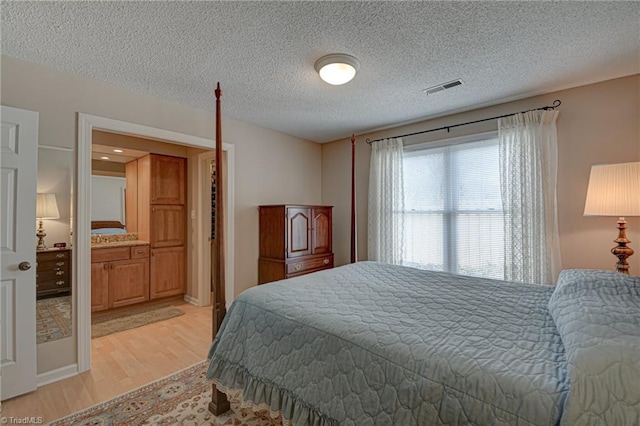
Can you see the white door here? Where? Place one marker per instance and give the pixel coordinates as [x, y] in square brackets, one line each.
[18, 154]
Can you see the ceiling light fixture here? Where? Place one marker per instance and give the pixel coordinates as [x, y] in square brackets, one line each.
[104, 158]
[119, 151]
[337, 68]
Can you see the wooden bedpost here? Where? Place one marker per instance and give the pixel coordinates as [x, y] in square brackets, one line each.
[354, 222]
[219, 403]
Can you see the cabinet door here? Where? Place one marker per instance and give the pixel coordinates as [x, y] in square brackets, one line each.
[167, 226]
[321, 230]
[298, 231]
[167, 179]
[99, 286]
[128, 282]
[167, 272]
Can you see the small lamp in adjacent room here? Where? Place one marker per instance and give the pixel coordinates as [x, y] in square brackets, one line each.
[614, 190]
[46, 208]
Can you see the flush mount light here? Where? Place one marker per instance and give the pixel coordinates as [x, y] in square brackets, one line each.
[337, 68]
[119, 151]
[104, 158]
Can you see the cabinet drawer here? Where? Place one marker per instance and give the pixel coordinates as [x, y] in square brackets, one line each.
[52, 274]
[109, 254]
[138, 252]
[51, 268]
[307, 265]
[59, 285]
[54, 255]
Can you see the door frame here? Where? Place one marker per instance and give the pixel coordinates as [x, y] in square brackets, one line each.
[82, 223]
[203, 224]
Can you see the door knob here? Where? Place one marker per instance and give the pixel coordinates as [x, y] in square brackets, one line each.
[24, 266]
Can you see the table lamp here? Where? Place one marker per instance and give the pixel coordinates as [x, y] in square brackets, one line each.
[46, 208]
[614, 190]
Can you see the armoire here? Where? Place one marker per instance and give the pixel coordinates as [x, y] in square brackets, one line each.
[295, 240]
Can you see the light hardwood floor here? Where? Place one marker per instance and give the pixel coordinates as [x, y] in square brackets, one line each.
[122, 362]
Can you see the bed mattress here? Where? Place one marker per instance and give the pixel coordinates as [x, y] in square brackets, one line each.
[377, 344]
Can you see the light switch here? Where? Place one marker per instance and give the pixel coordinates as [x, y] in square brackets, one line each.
[193, 214]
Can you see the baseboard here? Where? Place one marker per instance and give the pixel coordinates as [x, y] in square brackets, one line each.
[57, 374]
[192, 300]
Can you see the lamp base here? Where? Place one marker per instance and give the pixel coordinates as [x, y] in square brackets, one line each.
[41, 234]
[622, 252]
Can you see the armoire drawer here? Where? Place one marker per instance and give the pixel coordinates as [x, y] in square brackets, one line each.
[303, 265]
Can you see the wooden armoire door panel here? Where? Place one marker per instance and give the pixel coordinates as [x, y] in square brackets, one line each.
[167, 272]
[99, 286]
[167, 226]
[167, 180]
[299, 231]
[321, 230]
[128, 282]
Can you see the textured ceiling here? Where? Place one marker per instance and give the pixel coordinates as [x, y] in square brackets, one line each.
[263, 54]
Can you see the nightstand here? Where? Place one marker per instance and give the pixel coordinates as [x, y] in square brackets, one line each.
[53, 272]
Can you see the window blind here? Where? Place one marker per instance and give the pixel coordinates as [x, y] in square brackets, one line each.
[453, 209]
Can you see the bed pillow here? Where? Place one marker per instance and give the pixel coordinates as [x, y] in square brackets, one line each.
[597, 314]
[105, 231]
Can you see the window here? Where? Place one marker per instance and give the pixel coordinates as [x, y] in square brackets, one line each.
[453, 209]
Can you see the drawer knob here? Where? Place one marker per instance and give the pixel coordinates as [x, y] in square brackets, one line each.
[59, 283]
[326, 261]
[60, 255]
[59, 263]
[59, 272]
[298, 267]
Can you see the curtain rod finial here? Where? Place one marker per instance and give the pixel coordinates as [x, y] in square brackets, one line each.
[218, 92]
[353, 138]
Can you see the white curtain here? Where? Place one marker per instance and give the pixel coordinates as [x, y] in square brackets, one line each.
[529, 163]
[386, 202]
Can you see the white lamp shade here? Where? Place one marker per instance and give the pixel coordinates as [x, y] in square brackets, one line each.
[46, 207]
[337, 69]
[614, 190]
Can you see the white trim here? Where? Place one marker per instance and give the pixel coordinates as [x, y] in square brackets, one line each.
[133, 129]
[475, 137]
[191, 300]
[229, 246]
[55, 148]
[82, 247]
[57, 374]
[204, 271]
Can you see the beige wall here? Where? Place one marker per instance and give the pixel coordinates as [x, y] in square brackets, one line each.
[598, 123]
[271, 167]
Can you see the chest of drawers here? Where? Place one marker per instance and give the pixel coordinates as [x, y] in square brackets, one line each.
[53, 272]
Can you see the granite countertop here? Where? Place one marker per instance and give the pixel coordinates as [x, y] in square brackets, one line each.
[119, 244]
[117, 240]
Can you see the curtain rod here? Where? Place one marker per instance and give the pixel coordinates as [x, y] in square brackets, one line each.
[555, 104]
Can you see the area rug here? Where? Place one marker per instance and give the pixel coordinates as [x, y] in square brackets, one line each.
[53, 319]
[108, 323]
[180, 399]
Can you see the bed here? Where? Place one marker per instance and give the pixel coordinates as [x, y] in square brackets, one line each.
[375, 344]
[107, 227]
[369, 343]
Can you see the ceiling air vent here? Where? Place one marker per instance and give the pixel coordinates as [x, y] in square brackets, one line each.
[443, 86]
